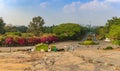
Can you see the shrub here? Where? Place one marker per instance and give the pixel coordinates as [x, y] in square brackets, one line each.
[44, 40]
[13, 33]
[116, 42]
[88, 42]
[53, 48]
[21, 41]
[108, 48]
[9, 41]
[41, 46]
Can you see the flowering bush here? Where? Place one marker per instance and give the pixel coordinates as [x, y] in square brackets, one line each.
[9, 41]
[26, 41]
[49, 39]
[33, 40]
[21, 41]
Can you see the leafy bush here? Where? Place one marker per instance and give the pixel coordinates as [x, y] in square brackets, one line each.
[9, 41]
[108, 48]
[53, 48]
[21, 41]
[67, 31]
[116, 42]
[14, 33]
[15, 40]
[89, 42]
[33, 40]
[41, 46]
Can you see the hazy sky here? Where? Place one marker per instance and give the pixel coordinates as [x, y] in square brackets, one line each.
[95, 12]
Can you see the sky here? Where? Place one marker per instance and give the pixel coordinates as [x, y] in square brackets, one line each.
[55, 12]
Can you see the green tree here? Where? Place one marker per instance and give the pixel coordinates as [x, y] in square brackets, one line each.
[113, 21]
[67, 31]
[36, 26]
[114, 32]
[2, 24]
[101, 32]
[22, 29]
[10, 28]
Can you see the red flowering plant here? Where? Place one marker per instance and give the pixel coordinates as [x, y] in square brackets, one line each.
[49, 39]
[33, 40]
[21, 41]
[52, 39]
[9, 41]
[44, 40]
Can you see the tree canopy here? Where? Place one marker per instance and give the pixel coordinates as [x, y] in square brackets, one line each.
[113, 21]
[36, 26]
[69, 30]
[114, 32]
[2, 24]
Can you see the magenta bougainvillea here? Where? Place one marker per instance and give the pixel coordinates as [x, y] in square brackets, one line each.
[9, 41]
[20, 41]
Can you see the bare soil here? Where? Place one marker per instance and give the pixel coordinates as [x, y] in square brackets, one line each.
[83, 58]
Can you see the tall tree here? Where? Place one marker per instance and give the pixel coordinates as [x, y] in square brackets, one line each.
[36, 26]
[113, 21]
[2, 24]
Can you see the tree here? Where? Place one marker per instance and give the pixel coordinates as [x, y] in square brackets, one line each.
[113, 21]
[10, 28]
[2, 24]
[48, 29]
[100, 31]
[67, 31]
[36, 26]
[22, 29]
[114, 32]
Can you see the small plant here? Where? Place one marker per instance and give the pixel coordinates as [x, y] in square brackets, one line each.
[53, 48]
[41, 46]
[108, 48]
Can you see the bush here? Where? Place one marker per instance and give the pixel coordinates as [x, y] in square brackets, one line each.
[41, 46]
[9, 41]
[88, 42]
[108, 48]
[116, 42]
[53, 48]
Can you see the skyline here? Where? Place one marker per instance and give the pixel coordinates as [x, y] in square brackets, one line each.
[84, 12]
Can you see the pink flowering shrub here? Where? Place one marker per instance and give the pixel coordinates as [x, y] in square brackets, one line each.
[25, 41]
[9, 41]
[21, 41]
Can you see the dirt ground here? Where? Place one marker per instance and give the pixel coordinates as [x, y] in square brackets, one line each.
[83, 58]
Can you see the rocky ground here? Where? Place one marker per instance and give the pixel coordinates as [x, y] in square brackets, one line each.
[81, 59]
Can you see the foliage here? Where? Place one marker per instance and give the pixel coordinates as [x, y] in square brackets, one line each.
[67, 31]
[53, 48]
[114, 32]
[11, 39]
[22, 29]
[41, 46]
[13, 33]
[11, 28]
[49, 39]
[2, 24]
[116, 42]
[27, 35]
[108, 48]
[36, 26]
[89, 42]
[48, 29]
[113, 21]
